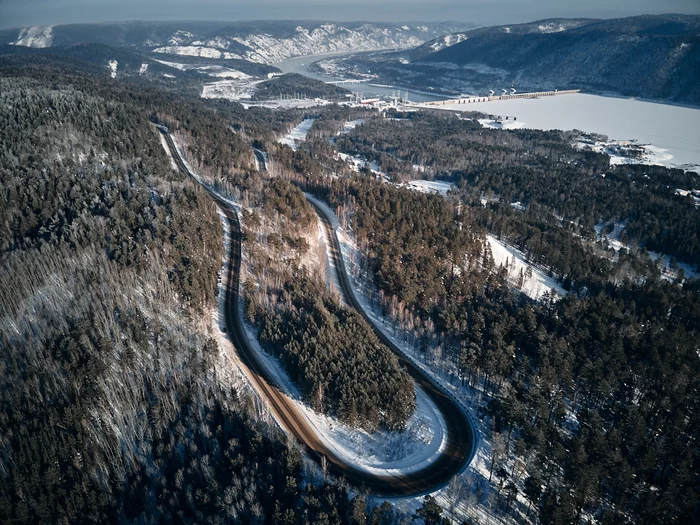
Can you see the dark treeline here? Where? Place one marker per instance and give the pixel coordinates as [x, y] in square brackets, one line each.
[113, 405]
[293, 85]
[541, 168]
[326, 348]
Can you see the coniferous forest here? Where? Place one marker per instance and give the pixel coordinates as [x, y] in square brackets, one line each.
[119, 404]
[597, 392]
[114, 404]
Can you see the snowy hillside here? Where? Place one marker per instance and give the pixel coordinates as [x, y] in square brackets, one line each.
[304, 40]
[34, 37]
[263, 42]
[446, 41]
[645, 56]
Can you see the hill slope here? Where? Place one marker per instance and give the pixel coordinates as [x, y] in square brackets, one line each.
[649, 56]
[259, 41]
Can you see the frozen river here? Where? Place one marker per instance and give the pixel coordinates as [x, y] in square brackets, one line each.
[674, 129]
[302, 65]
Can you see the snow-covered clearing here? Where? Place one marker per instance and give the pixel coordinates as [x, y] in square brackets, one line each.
[230, 89]
[210, 70]
[35, 37]
[664, 261]
[613, 237]
[356, 163]
[535, 285]
[501, 124]
[195, 51]
[143, 69]
[180, 37]
[447, 41]
[430, 186]
[113, 68]
[167, 151]
[331, 271]
[223, 72]
[184, 161]
[350, 125]
[298, 134]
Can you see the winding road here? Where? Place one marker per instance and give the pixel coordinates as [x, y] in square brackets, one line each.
[460, 441]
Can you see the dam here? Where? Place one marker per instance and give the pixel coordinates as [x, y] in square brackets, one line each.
[491, 98]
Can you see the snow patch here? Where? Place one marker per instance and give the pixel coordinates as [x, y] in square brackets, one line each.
[143, 69]
[447, 41]
[430, 186]
[501, 124]
[196, 51]
[551, 28]
[534, 286]
[167, 151]
[663, 261]
[298, 134]
[211, 70]
[232, 89]
[180, 37]
[350, 125]
[37, 36]
[113, 68]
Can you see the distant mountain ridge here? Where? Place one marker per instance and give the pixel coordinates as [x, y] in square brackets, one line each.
[257, 41]
[656, 57]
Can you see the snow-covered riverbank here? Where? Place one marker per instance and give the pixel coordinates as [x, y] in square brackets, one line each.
[671, 133]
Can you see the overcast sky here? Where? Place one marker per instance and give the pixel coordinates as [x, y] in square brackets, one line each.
[42, 12]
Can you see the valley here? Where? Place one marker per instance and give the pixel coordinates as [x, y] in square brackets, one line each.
[364, 273]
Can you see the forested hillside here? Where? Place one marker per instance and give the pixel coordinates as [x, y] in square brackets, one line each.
[118, 404]
[592, 396]
[329, 352]
[294, 85]
[561, 187]
[114, 404]
[650, 56]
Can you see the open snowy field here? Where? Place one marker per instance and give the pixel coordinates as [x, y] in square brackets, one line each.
[673, 131]
[430, 186]
[230, 89]
[501, 124]
[211, 70]
[298, 134]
